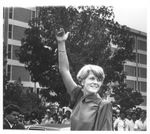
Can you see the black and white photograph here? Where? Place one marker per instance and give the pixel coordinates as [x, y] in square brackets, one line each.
[74, 66]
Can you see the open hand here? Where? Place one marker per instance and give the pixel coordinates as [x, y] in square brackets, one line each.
[61, 36]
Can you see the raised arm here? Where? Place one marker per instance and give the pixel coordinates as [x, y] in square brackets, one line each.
[63, 61]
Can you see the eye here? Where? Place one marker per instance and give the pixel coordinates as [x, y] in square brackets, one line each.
[15, 115]
[100, 79]
[92, 78]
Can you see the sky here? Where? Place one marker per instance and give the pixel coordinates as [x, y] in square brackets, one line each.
[135, 18]
[132, 13]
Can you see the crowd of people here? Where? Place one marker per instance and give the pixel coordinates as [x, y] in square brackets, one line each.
[13, 117]
[134, 120]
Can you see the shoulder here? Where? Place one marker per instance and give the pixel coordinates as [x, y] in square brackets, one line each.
[117, 120]
[76, 90]
[127, 120]
[105, 107]
[137, 121]
[76, 94]
[130, 122]
[5, 124]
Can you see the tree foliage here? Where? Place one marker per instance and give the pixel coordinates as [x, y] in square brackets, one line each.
[125, 97]
[13, 94]
[92, 33]
[5, 78]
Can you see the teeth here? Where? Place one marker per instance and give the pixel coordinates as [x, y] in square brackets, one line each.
[94, 86]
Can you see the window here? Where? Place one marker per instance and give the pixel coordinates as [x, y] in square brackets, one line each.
[142, 59]
[20, 72]
[10, 32]
[130, 70]
[142, 72]
[9, 71]
[131, 84]
[10, 13]
[142, 45]
[21, 14]
[142, 86]
[18, 32]
[9, 51]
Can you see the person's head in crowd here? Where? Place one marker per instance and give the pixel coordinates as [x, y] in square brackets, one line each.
[21, 118]
[138, 110]
[143, 114]
[122, 115]
[11, 113]
[134, 116]
[68, 113]
[114, 117]
[33, 115]
[128, 116]
[60, 113]
[48, 112]
[55, 117]
[26, 116]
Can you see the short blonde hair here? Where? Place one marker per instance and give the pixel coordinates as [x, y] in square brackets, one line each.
[96, 70]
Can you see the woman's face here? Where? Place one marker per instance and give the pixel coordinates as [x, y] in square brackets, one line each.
[91, 84]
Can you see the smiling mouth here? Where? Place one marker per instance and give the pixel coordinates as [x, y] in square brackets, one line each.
[94, 86]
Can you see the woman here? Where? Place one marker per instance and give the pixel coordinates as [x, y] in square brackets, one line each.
[90, 112]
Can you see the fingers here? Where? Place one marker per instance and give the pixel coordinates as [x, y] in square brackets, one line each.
[66, 35]
[61, 32]
[61, 36]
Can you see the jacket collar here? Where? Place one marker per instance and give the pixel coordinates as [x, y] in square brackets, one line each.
[11, 125]
[93, 97]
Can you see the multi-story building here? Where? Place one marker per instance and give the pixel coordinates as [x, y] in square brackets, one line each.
[137, 70]
[15, 21]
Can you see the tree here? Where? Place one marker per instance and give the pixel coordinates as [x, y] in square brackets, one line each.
[31, 102]
[28, 102]
[93, 31]
[13, 93]
[5, 78]
[125, 97]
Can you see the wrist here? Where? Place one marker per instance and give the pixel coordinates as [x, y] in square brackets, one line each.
[61, 42]
[63, 51]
